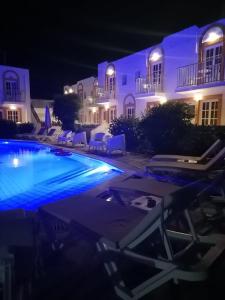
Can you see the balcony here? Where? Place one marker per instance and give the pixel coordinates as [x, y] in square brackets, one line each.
[201, 74]
[147, 88]
[16, 96]
[104, 96]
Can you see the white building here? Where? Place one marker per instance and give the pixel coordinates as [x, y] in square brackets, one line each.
[15, 94]
[87, 90]
[187, 66]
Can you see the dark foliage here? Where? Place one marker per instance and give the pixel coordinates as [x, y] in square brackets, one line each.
[25, 128]
[65, 109]
[130, 127]
[8, 129]
[164, 126]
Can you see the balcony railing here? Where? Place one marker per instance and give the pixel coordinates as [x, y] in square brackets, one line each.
[16, 96]
[200, 73]
[103, 95]
[143, 86]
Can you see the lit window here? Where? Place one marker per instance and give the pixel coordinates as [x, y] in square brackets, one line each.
[209, 112]
[13, 115]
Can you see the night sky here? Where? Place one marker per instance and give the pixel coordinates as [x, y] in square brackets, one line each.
[63, 42]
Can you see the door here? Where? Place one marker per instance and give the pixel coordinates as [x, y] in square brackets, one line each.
[212, 63]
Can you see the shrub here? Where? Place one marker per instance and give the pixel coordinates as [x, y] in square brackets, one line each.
[8, 129]
[25, 128]
[198, 138]
[66, 109]
[129, 127]
[164, 126]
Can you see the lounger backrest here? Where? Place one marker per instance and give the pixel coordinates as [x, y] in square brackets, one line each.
[174, 202]
[210, 150]
[41, 131]
[80, 138]
[99, 136]
[51, 132]
[219, 157]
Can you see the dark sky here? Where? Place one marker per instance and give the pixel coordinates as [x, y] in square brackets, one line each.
[63, 42]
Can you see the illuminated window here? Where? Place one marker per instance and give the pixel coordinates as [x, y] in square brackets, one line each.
[156, 74]
[110, 79]
[13, 115]
[155, 68]
[209, 112]
[129, 106]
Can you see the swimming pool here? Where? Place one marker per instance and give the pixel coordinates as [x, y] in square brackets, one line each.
[33, 174]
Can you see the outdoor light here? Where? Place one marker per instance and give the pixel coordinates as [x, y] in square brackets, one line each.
[198, 97]
[94, 109]
[110, 71]
[65, 92]
[106, 105]
[163, 100]
[70, 90]
[212, 37]
[155, 56]
[12, 107]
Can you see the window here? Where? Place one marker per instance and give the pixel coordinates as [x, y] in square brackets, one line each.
[209, 112]
[110, 79]
[124, 80]
[11, 89]
[13, 115]
[130, 112]
[156, 74]
[11, 85]
[112, 113]
[213, 61]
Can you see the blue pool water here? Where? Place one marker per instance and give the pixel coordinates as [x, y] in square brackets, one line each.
[31, 175]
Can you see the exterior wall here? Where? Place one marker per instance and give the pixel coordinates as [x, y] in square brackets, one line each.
[178, 50]
[88, 112]
[20, 101]
[39, 107]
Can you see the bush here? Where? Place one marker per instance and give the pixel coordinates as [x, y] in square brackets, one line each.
[8, 129]
[25, 128]
[199, 138]
[164, 126]
[130, 127]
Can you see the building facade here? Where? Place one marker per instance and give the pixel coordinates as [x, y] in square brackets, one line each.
[15, 102]
[87, 90]
[187, 66]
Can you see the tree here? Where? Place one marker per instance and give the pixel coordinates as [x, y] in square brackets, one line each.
[165, 125]
[66, 109]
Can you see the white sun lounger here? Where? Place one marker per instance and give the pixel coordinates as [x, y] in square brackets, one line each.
[191, 159]
[64, 137]
[79, 139]
[173, 205]
[214, 162]
[121, 231]
[116, 143]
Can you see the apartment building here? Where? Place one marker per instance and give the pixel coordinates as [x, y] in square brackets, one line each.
[15, 94]
[187, 66]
